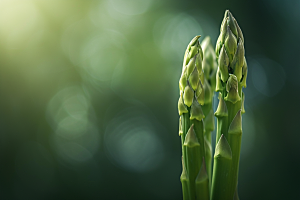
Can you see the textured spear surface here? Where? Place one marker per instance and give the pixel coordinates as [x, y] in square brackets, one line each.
[230, 78]
[194, 178]
[210, 68]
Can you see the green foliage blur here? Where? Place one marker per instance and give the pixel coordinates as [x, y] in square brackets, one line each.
[89, 90]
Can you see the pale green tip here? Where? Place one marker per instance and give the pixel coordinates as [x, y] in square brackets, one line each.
[236, 124]
[194, 79]
[192, 49]
[191, 138]
[223, 149]
[181, 107]
[188, 95]
[182, 81]
[230, 44]
[231, 24]
[200, 94]
[219, 86]
[222, 109]
[232, 89]
[190, 66]
[194, 40]
[240, 34]
[199, 62]
[196, 111]
[223, 64]
[238, 61]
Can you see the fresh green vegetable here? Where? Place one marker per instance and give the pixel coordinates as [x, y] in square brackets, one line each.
[230, 79]
[194, 178]
[201, 76]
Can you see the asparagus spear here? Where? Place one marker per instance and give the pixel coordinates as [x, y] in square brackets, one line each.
[194, 176]
[210, 68]
[230, 78]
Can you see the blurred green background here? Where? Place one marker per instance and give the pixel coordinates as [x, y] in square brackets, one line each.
[89, 91]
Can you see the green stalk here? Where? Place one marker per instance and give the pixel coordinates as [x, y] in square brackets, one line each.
[230, 78]
[210, 68]
[191, 127]
[193, 163]
[184, 181]
[202, 183]
[222, 162]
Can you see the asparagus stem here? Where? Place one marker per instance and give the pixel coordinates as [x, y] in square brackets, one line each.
[193, 163]
[230, 78]
[191, 128]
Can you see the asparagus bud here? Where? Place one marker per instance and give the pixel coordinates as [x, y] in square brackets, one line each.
[231, 40]
[223, 64]
[232, 90]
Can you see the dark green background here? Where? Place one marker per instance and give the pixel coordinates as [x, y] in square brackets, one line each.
[89, 90]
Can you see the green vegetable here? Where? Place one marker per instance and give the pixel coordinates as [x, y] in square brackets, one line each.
[230, 79]
[194, 178]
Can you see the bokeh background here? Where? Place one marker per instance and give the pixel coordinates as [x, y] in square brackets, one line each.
[89, 91]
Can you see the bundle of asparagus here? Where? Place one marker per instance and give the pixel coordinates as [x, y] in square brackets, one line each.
[200, 77]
